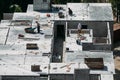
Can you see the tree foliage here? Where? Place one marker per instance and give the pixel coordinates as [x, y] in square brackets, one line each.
[15, 8]
[5, 5]
[116, 8]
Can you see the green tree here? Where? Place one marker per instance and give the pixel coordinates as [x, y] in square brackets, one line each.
[15, 8]
[5, 5]
[116, 8]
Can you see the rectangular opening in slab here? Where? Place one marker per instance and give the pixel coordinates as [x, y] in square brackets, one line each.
[94, 63]
[31, 46]
[35, 68]
[84, 27]
[59, 39]
[61, 31]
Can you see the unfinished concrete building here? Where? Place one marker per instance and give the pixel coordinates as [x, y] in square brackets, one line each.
[75, 46]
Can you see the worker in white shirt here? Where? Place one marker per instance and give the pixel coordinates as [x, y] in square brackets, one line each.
[79, 29]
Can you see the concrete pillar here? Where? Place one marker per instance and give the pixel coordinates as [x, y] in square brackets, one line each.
[111, 30]
[44, 5]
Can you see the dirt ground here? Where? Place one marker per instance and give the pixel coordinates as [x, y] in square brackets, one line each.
[117, 55]
[117, 62]
[116, 26]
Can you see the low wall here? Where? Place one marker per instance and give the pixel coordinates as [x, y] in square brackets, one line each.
[91, 46]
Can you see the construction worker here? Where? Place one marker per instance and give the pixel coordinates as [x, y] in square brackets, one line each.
[38, 27]
[79, 29]
[70, 12]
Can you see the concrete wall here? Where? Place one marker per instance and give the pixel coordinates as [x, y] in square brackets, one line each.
[81, 74]
[94, 76]
[111, 31]
[87, 46]
[90, 46]
[106, 47]
[0, 78]
[7, 16]
[23, 78]
[61, 77]
[41, 5]
[117, 77]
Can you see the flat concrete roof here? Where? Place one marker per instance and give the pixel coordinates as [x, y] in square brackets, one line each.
[14, 53]
[15, 59]
[4, 27]
[82, 12]
[91, 11]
